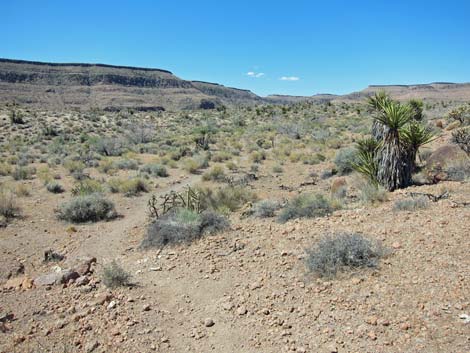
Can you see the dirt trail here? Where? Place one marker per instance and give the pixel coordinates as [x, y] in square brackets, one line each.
[109, 240]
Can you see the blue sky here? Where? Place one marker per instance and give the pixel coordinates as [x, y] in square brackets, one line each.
[292, 47]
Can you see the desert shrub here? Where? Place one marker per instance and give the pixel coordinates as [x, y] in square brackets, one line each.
[74, 166]
[5, 169]
[306, 206]
[8, 207]
[22, 190]
[128, 187]
[346, 251]
[265, 208]
[44, 174]
[345, 159]
[54, 187]
[182, 226]
[225, 199]
[88, 208]
[231, 165]
[16, 116]
[126, 164]
[278, 169]
[216, 173]
[156, 170]
[458, 170]
[461, 138]
[115, 276]
[258, 156]
[369, 193]
[109, 146]
[87, 187]
[23, 173]
[106, 166]
[194, 164]
[221, 156]
[411, 204]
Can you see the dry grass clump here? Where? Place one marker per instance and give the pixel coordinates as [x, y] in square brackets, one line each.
[340, 252]
[114, 275]
[216, 173]
[128, 187]
[182, 226]
[306, 206]
[411, 204]
[8, 206]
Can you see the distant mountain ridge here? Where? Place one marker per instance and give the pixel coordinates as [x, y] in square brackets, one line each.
[114, 87]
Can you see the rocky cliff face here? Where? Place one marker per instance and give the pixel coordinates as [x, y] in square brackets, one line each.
[109, 87]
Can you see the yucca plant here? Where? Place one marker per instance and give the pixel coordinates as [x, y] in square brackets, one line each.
[394, 171]
[376, 104]
[366, 160]
[416, 106]
[415, 135]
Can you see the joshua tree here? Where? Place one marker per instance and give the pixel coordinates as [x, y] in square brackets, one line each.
[394, 169]
[376, 105]
[389, 156]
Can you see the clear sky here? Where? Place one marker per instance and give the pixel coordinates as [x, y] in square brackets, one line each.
[287, 47]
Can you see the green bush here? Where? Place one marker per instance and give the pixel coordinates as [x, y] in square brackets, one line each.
[88, 208]
[216, 173]
[306, 206]
[115, 276]
[156, 170]
[54, 187]
[341, 252]
[345, 159]
[23, 173]
[225, 199]
[87, 187]
[265, 208]
[8, 207]
[128, 187]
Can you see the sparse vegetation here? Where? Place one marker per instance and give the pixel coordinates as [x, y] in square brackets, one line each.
[88, 208]
[114, 275]
[411, 204]
[306, 206]
[182, 226]
[341, 252]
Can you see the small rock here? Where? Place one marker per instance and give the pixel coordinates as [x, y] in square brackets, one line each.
[91, 346]
[209, 322]
[82, 280]
[112, 305]
[396, 245]
[242, 310]
[146, 307]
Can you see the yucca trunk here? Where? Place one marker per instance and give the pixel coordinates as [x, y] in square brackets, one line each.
[394, 170]
[379, 130]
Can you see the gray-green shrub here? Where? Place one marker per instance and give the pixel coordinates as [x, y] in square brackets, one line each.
[343, 251]
[87, 208]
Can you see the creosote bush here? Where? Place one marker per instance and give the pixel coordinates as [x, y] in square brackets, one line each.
[411, 204]
[87, 208]
[54, 187]
[115, 276]
[182, 226]
[156, 170]
[128, 187]
[345, 159]
[225, 199]
[265, 208]
[306, 206]
[346, 251]
[216, 173]
[8, 207]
